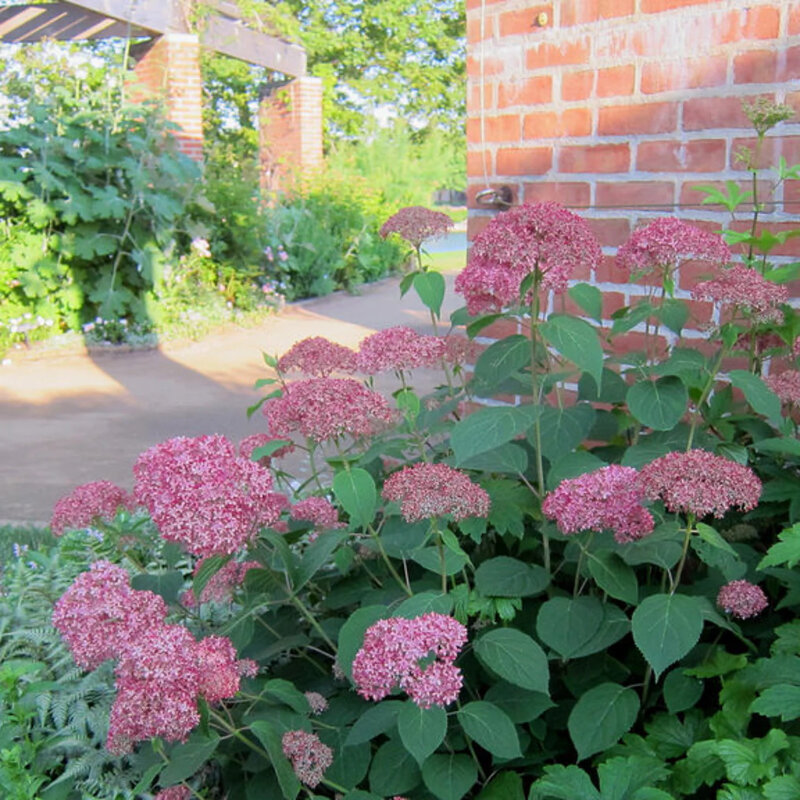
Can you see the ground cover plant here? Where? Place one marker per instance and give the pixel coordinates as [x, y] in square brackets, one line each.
[565, 573]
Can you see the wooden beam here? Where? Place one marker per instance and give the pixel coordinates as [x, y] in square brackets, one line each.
[62, 21]
[155, 16]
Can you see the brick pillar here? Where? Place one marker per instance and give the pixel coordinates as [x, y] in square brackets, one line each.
[170, 71]
[290, 132]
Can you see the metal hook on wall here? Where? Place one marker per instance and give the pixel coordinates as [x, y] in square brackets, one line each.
[501, 197]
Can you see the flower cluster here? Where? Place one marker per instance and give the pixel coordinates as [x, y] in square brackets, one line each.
[317, 510]
[252, 442]
[743, 288]
[309, 756]
[433, 490]
[174, 793]
[399, 348]
[417, 224]
[700, 483]
[741, 599]
[319, 357]
[786, 385]
[460, 349]
[609, 498]
[662, 245]
[540, 239]
[317, 702]
[416, 655]
[327, 408]
[87, 504]
[201, 494]
[221, 585]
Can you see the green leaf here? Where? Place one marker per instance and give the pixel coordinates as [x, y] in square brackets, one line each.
[401, 540]
[421, 730]
[674, 314]
[374, 721]
[601, 717]
[503, 359]
[781, 701]
[509, 457]
[491, 728]
[681, 691]
[510, 503]
[429, 286]
[515, 657]
[615, 625]
[577, 341]
[785, 551]
[762, 400]
[449, 777]
[268, 736]
[186, 759]
[613, 576]
[781, 445]
[285, 692]
[622, 778]
[662, 547]
[683, 362]
[358, 794]
[393, 771]
[520, 705]
[503, 576]
[658, 404]
[564, 783]
[351, 634]
[489, 428]
[563, 429]
[317, 555]
[784, 787]
[567, 624]
[571, 466]
[505, 786]
[665, 628]
[627, 318]
[166, 584]
[613, 388]
[424, 603]
[355, 490]
[409, 404]
[430, 559]
[589, 298]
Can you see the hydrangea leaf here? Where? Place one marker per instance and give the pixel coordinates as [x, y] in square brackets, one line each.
[449, 777]
[185, 759]
[421, 730]
[757, 393]
[268, 736]
[577, 341]
[515, 657]
[567, 624]
[658, 404]
[502, 359]
[355, 490]
[589, 298]
[563, 429]
[491, 728]
[601, 717]
[505, 786]
[564, 783]
[430, 288]
[681, 691]
[489, 428]
[374, 721]
[613, 576]
[393, 771]
[351, 634]
[503, 576]
[781, 701]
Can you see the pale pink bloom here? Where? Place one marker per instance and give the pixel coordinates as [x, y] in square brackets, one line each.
[219, 670]
[416, 224]
[700, 483]
[222, 584]
[743, 288]
[319, 357]
[541, 239]
[202, 495]
[796, 348]
[317, 702]
[87, 504]
[786, 385]
[415, 655]
[432, 490]
[100, 614]
[399, 348]
[317, 510]
[174, 793]
[248, 668]
[255, 440]
[328, 408]
[609, 498]
[309, 756]
[742, 599]
[460, 349]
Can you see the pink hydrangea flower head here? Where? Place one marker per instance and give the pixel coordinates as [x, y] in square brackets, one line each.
[415, 655]
[460, 350]
[219, 669]
[796, 348]
[786, 385]
[87, 504]
[741, 599]
[399, 348]
[543, 239]
[309, 756]
[174, 793]
[417, 224]
[758, 342]
[222, 584]
[319, 357]
[255, 440]
[317, 702]
[202, 495]
[433, 490]
[328, 408]
[609, 498]
[100, 614]
[745, 289]
[317, 510]
[666, 242]
[700, 483]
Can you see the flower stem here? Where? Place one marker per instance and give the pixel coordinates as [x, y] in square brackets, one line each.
[395, 574]
[689, 530]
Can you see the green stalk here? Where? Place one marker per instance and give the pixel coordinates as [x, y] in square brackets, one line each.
[690, 520]
[395, 574]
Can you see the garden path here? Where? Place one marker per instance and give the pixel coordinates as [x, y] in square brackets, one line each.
[70, 419]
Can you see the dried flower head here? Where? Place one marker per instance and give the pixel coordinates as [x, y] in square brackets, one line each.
[87, 504]
[433, 490]
[700, 483]
[309, 756]
[316, 702]
[327, 408]
[540, 239]
[744, 289]
[609, 498]
[786, 385]
[319, 357]
[741, 599]
[417, 224]
[399, 348]
[202, 495]
[251, 443]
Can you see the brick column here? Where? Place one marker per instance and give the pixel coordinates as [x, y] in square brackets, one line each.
[290, 132]
[170, 71]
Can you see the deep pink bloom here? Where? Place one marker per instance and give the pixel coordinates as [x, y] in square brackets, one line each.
[786, 385]
[202, 495]
[319, 357]
[100, 614]
[328, 408]
[317, 702]
[700, 483]
[317, 510]
[309, 756]
[222, 584]
[743, 288]
[219, 670]
[174, 793]
[399, 348]
[432, 490]
[460, 349]
[796, 348]
[415, 655]
[543, 239]
[666, 242]
[255, 440]
[742, 599]
[87, 504]
[607, 498]
[416, 224]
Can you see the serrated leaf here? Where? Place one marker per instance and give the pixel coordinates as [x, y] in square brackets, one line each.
[563, 429]
[681, 691]
[285, 692]
[615, 625]
[520, 705]
[515, 657]
[269, 737]
[564, 783]
[502, 359]
[505, 786]
[374, 721]
[567, 624]
[781, 701]
[424, 603]
[762, 400]
[430, 288]
[613, 575]
[351, 634]
[491, 728]
[449, 777]
[166, 584]
[393, 770]
[355, 490]
[785, 551]
[658, 404]
[186, 759]
[577, 341]
[421, 730]
[589, 298]
[601, 717]
[503, 576]
[316, 556]
[489, 428]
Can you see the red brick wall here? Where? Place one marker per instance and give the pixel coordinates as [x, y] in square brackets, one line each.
[610, 104]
